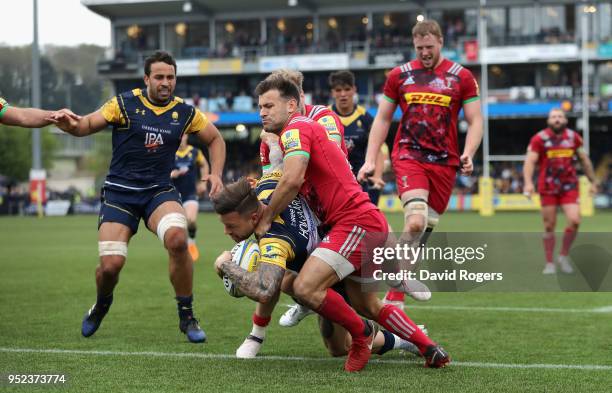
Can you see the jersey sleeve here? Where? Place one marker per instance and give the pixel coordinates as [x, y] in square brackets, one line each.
[391, 88]
[296, 141]
[469, 87]
[578, 143]
[3, 106]
[264, 155]
[112, 112]
[275, 251]
[536, 145]
[333, 126]
[199, 122]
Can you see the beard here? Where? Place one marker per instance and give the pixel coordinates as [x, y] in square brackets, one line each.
[557, 129]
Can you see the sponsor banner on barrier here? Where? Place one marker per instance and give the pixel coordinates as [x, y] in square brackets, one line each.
[205, 67]
[314, 62]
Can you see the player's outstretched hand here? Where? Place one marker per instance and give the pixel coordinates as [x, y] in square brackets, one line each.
[528, 190]
[216, 185]
[225, 256]
[264, 223]
[467, 166]
[366, 171]
[594, 188]
[64, 119]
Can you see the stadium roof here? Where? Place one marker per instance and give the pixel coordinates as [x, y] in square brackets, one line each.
[115, 9]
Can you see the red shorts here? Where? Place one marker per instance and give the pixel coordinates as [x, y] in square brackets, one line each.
[437, 179]
[565, 198]
[350, 243]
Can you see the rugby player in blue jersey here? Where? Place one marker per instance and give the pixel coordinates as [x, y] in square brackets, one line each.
[147, 128]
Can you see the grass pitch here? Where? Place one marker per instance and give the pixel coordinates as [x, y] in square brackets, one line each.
[500, 342]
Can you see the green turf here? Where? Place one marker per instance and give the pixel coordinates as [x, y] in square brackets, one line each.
[46, 284]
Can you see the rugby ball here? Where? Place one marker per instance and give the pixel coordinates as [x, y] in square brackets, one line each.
[246, 255]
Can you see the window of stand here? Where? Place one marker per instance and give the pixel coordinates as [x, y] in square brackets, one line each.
[188, 40]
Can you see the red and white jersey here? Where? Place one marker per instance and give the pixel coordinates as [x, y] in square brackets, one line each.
[556, 157]
[322, 115]
[430, 101]
[329, 174]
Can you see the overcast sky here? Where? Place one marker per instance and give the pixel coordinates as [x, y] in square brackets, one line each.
[60, 22]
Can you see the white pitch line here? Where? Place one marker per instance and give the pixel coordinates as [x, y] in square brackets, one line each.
[512, 309]
[221, 356]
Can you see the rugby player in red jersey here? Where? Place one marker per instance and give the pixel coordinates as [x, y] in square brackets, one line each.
[319, 113]
[313, 161]
[430, 91]
[553, 150]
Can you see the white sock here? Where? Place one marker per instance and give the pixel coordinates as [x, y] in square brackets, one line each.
[259, 331]
[398, 342]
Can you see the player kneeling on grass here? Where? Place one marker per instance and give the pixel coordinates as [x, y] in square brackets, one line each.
[284, 248]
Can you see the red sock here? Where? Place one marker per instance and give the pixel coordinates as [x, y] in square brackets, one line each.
[549, 246]
[396, 321]
[394, 295]
[335, 308]
[261, 321]
[568, 238]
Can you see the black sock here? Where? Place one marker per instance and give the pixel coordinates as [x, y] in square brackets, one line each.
[183, 304]
[389, 342]
[191, 229]
[103, 302]
[367, 330]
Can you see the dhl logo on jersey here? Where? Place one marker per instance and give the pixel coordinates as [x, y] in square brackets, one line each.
[427, 98]
[560, 153]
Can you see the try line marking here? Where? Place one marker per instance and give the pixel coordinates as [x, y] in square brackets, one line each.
[221, 356]
[513, 309]
[607, 309]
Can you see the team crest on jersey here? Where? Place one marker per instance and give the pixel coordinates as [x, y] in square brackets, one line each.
[291, 140]
[175, 117]
[3, 103]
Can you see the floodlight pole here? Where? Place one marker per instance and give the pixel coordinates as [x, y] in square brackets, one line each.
[484, 87]
[585, 81]
[36, 157]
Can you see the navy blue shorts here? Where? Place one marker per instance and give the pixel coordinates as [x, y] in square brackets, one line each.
[128, 207]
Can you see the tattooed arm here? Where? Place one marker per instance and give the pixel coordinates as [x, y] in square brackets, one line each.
[260, 285]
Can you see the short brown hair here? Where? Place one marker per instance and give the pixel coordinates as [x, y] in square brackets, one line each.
[425, 27]
[237, 197]
[285, 87]
[294, 76]
[341, 78]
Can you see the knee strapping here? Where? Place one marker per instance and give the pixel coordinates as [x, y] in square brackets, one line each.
[168, 221]
[112, 248]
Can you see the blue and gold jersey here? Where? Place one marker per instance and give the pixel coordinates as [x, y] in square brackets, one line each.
[190, 160]
[293, 234]
[3, 106]
[146, 137]
[356, 132]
